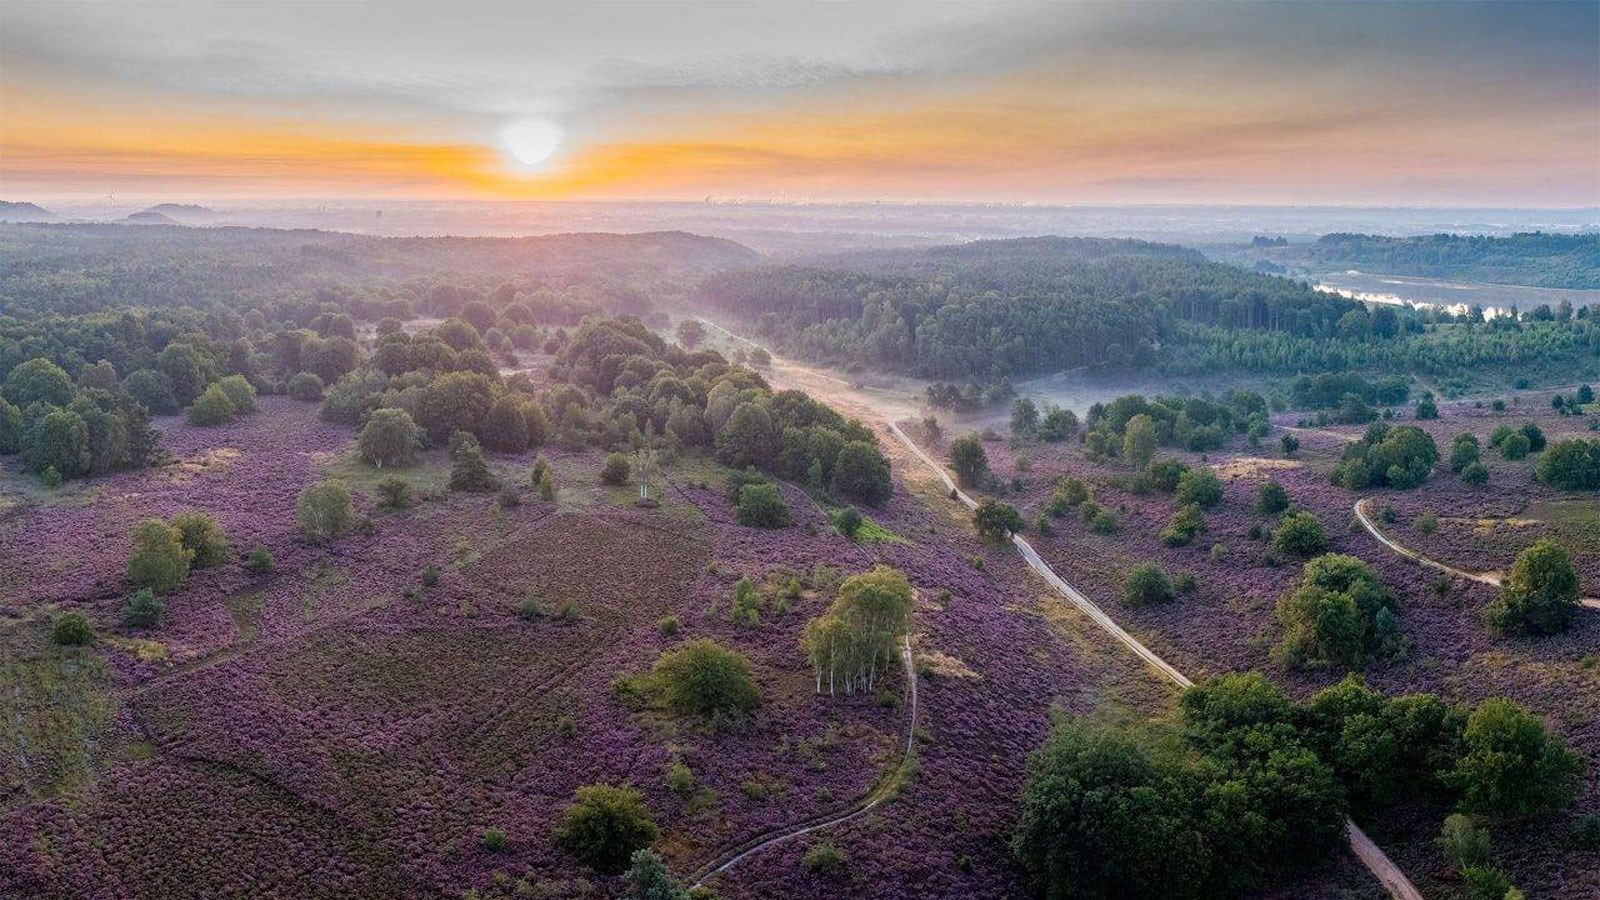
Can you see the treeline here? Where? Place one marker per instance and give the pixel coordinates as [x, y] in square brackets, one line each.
[992, 309]
[1530, 258]
[619, 385]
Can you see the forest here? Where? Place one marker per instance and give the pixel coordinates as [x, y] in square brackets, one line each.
[1534, 258]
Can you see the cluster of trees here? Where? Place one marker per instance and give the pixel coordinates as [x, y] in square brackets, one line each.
[1531, 258]
[1396, 457]
[1052, 425]
[65, 430]
[860, 635]
[1339, 615]
[1249, 787]
[1132, 427]
[163, 553]
[1329, 389]
[969, 397]
[1571, 464]
[1465, 459]
[992, 309]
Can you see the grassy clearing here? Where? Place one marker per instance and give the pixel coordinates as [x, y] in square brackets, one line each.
[56, 715]
[431, 475]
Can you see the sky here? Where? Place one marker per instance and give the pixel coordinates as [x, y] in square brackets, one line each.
[1370, 103]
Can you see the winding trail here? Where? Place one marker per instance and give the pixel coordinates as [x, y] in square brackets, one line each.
[884, 790]
[1373, 857]
[1491, 578]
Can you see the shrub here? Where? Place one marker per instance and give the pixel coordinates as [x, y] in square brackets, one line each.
[649, 879]
[212, 407]
[1199, 486]
[395, 493]
[1299, 534]
[823, 858]
[1139, 440]
[1540, 595]
[505, 429]
[1333, 617]
[159, 560]
[240, 393]
[205, 542]
[390, 438]
[1571, 464]
[1187, 524]
[605, 825]
[1272, 499]
[1475, 474]
[1399, 457]
[668, 625]
[493, 840]
[71, 630]
[1146, 584]
[1464, 451]
[142, 609]
[306, 386]
[1515, 446]
[1464, 842]
[861, 470]
[1488, 883]
[1069, 494]
[1103, 522]
[969, 460]
[324, 510]
[615, 471]
[762, 506]
[260, 561]
[703, 678]
[468, 470]
[848, 522]
[1511, 764]
[1163, 474]
[996, 521]
[1290, 444]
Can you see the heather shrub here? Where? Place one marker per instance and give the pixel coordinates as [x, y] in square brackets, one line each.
[705, 679]
[71, 630]
[616, 470]
[1146, 583]
[762, 506]
[605, 825]
[324, 510]
[1540, 595]
[212, 407]
[394, 493]
[143, 609]
[390, 438]
[1272, 499]
[204, 541]
[1299, 534]
[306, 386]
[159, 560]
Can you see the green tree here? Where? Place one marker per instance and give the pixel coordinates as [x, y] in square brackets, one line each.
[153, 389]
[58, 440]
[1464, 842]
[1273, 499]
[212, 407]
[862, 631]
[205, 543]
[1145, 584]
[186, 369]
[1426, 407]
[71, 630]
[1139, 440]
[749, 437]
[848, 522]
[240, 393]
[1331, 618]
[505, 430]
[1511, 765]
[305, 386]
[159, 560]
[1475, 474]
[1187, 523]
[38, 381]
[605, 825]
[648, 877]
[143, 609]
[1024, 418]
[455, 401]
[1571, 464]
[1199, 486]
[860, 470]
[1464, 450]
[324, 510]
[616, 469]
[997, 522]
[1515, 446]
[390, 438]
[761, 505]
[1299, 534]
[468, 469]
[703, 678]
[10, 428]
[968, 459]
[1540, 595]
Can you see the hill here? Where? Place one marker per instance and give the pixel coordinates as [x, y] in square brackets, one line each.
[14, 211]
[1534, 258]
[149, 217]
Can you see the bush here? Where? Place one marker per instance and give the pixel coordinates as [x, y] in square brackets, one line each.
[1102, 522]
[212, 407]
[143, 609]
[1200, 487]
[1541, 593]
[996, 521]
[969, 460]
[861, 470]
[324, 510]
[1464, 451]
[1515, 446]
[649, 879]
[1487, 883]
[390, 438]
[762, 506]
[1336, 616]
[1511, 765]
[493, 840]
[1464, 842]
[848, 522]
[1398, 457]
[394, 493]
[153, 390]
[204, 541]
[1187, 523]
[159, 560]
[1163, 474]
[260, 561]
[668, 625]
[1146, 584]
[71, 630]
[823, 858]
[1571, 464]
[1299, 534]
[703, 678]
[468, 470]
[1475, 474]
[1069, 494]
[240, 393]
[1273, 499]
[615, 471]
[605, 825]
[306, 386]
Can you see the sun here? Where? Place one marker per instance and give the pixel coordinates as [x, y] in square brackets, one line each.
[532, 141]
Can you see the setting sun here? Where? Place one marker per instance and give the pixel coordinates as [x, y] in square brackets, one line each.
[532, 141]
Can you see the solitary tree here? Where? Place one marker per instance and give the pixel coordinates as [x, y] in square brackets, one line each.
[390, 438]
[605, 825]
[324, 510]
[159, 560]
[969, 460]
[1139, 441]
[996, 521]
[1541, 593]
[862, 630]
